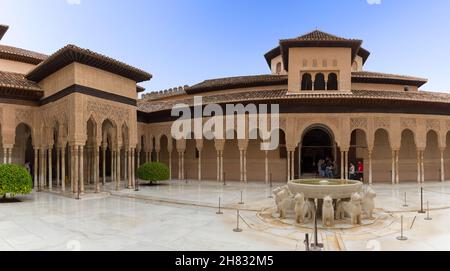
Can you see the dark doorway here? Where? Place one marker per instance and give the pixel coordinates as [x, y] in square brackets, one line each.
[317, 144]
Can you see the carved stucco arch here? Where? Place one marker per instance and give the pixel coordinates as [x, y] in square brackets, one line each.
[303, 126]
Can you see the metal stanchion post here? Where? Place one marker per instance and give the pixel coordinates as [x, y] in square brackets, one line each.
[316, 246]
[422, 211]
[270, 186]
[406, 204]
[237, 223]
[428, 212]
[402, 237]
[136, 184]
[242, 198]
[220, 211]
[306, 242]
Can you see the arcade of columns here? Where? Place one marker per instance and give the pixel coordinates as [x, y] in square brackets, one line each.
[294, 128]
[101, 150]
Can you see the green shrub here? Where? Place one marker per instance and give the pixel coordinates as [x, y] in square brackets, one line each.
[153, 172]
[14, 180]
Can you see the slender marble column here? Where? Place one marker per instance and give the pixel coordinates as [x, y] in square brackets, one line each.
[58, 166]
[126, 172]
[346, 165]
[170, 165]
[113, 166]
[199, 164]
[218, 166]
[245, 166]
[397, 167]
[370, 168]
[442, 166]
[118, 171]
[103, 165]
[133, 167]
[130, 177]
[75, 168]
[342, 166]
[422, 166]
[183, 172]
[42, 168]
[45, 168]
[393, 167]
[266, 166]
[221, 166]
[9, 150]
[50, 173]
[5, 156]
[81, 170]
[96, 168]
[241, 165]
[288, 165]
[63, 169]
[157, 155]
[35, 167]
[293, 164]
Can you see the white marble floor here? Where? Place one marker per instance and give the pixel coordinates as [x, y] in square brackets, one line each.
[180, 216]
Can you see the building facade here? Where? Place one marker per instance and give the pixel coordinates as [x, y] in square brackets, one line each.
[75, 118]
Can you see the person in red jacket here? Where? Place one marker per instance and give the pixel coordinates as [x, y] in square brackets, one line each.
[361, 171]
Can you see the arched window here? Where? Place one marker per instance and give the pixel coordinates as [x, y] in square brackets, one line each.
[332, 82]
[278, 68]
[319, 82]
[306, 81]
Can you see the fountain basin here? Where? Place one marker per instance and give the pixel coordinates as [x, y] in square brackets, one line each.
[320, 188]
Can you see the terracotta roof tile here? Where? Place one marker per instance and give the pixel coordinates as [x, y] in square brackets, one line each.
[15, 85]
[237, 82]
[72, 53]
[377, 77]
[22, 55]
[278, 95]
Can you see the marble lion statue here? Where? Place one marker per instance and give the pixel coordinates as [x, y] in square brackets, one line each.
[303, 210]
[352, 208]
[276, 193]
[287, 203]
[328, 212]
[368, 202]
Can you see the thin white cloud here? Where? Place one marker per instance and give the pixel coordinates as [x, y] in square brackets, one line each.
[73, 2]
[374, 2]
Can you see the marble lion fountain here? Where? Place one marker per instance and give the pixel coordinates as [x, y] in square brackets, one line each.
[334, 200]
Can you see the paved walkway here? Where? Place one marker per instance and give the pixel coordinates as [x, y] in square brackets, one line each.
[180, 216]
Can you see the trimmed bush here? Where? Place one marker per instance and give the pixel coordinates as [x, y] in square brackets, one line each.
[14, 180]
[153, 172]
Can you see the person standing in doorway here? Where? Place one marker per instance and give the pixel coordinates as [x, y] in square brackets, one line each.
[361, 171]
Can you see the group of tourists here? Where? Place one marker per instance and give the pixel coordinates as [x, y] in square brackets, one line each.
[356, 172]
[326, 169]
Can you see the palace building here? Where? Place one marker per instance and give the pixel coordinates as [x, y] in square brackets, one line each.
[75, 118]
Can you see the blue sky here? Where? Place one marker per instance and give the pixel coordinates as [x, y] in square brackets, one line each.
[187, 41]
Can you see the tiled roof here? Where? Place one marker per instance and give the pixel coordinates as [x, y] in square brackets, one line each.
[280, 95]
[21, 55]
[72, 53]
[237, 82]
[318, 35]
[318, 38]
[377, 77]
[15, 85]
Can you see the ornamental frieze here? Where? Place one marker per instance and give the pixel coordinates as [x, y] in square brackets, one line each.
[358, 123]
[433, 125]
[118, 114]
[382, 123]
[408, 123]
[24, 116]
